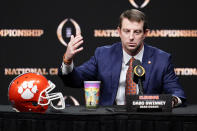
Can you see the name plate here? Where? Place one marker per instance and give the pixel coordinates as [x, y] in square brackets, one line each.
[149, 103]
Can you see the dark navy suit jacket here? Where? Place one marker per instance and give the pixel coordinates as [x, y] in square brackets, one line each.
[106, 64]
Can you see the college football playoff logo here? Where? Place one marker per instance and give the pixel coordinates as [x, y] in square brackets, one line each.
[67, 28]
[137, 6]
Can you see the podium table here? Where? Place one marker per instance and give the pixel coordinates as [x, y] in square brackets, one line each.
[77, 118]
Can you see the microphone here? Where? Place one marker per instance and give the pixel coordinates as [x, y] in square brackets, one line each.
[139, 75]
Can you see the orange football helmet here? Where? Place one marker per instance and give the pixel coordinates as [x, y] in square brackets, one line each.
[29, 92]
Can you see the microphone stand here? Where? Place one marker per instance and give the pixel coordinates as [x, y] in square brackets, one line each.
[141, 92]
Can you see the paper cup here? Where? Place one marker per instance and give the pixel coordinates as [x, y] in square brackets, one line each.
[92, 89]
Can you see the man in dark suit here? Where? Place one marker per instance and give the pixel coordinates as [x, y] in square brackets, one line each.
[110, 63]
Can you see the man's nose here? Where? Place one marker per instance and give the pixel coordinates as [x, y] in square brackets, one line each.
[131, 36]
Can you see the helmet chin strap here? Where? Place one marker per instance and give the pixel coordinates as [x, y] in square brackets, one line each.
[15, 109]
[51, 97]
[61, 103]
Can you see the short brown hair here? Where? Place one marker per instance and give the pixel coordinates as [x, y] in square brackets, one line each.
[133, 15]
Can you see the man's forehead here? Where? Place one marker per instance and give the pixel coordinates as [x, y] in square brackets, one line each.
[132, 24]
[124, 20]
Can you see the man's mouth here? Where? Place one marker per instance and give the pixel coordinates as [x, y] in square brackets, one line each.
[132, 44]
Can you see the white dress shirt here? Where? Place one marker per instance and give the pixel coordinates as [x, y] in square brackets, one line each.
[67, 68]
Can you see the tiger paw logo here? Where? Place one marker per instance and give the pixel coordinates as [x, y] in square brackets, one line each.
[145, 3]
[27, 90]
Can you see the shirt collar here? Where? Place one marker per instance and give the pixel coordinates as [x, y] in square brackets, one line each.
[127, 57]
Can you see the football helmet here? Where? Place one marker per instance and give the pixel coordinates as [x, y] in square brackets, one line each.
[30, 92]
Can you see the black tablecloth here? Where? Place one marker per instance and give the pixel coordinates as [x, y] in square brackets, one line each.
[78, 118]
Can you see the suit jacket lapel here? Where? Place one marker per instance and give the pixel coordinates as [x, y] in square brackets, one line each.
[116, 68]
[147, 61]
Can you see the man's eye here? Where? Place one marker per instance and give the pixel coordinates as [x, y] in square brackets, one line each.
[126, 31]
[138, 32]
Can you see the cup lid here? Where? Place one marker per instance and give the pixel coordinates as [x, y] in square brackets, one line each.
[92, 82]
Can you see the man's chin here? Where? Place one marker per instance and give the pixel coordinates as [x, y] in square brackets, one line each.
[132, 49]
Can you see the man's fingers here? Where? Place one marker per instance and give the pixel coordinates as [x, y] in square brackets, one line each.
[71, 38]
[78, 33]
[78, 44]
[78, 50]
[77, 39]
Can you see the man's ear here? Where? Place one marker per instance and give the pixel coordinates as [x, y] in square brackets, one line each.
[119, 30]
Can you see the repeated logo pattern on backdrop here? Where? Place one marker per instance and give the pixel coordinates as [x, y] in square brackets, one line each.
[68, 30]
[35, 42]
[137, 6]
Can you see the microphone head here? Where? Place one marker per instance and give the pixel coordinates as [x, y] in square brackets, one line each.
[136, 62]
[139, 70]
[139, 74]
